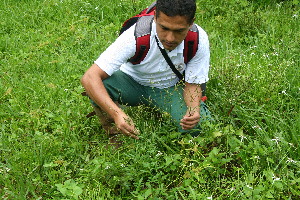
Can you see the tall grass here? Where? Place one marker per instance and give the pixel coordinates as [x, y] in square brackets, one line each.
[49, 150]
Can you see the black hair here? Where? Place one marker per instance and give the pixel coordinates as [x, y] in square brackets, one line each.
[173, 8]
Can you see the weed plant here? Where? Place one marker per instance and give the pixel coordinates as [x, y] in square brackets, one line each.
[49, 150]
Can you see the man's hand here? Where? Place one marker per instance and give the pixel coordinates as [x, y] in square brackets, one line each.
[125, 124]
[190, 120]
[93, 84]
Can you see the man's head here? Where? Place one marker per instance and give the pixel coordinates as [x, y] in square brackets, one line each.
[173, 20]
[171, 8]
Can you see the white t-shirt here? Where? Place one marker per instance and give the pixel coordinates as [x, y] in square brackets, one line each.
[154, 71]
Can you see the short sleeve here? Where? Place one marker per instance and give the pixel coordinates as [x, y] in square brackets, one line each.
[118, 52]
[198, 67]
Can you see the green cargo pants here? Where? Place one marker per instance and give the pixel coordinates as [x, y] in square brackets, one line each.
[126, 91]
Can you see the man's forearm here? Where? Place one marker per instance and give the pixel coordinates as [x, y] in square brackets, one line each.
[95, 89]
[192, 96]
[100, 96]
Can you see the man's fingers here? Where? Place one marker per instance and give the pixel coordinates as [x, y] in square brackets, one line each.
[190, 122]
[126, 126]
[133, 136]
[191, 118]
[131, 129]
[189, 126]
[131, 132]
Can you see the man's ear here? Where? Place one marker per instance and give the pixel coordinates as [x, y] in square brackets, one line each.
[155, 16]
[192, 22]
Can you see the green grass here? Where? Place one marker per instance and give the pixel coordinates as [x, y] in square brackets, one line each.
[49, 150]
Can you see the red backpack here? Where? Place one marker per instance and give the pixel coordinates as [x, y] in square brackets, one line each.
[143, 22]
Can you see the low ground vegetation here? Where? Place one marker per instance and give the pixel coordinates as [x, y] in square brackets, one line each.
[49, 150]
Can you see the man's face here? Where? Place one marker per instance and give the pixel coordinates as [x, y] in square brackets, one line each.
[171, 31]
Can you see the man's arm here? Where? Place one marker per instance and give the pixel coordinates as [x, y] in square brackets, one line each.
[92, 82]
[192, 96]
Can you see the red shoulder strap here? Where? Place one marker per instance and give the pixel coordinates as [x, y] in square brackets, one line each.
[191, 44]
[149, 10]
[142, 36]
[142, 48]
[142, 33]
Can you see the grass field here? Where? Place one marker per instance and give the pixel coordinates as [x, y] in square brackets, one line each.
[49, 150]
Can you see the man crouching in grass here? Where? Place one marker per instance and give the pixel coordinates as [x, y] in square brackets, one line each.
[113, 79]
